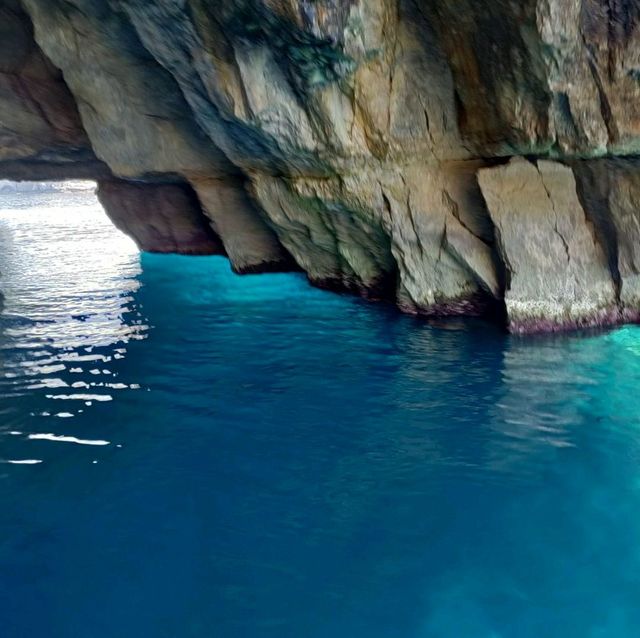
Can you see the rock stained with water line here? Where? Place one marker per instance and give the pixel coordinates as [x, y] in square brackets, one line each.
[455, 157]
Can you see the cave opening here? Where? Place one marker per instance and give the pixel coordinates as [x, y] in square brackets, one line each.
[56, 241]
[59, 204]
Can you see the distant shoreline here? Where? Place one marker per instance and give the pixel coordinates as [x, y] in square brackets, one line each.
[7, 186]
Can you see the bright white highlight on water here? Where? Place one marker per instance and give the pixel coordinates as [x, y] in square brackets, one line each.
[68, 280]
[24, 462]
[67, 439]
[72, 294]
[80, 397]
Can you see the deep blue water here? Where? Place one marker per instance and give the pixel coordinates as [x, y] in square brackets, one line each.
[191, 454]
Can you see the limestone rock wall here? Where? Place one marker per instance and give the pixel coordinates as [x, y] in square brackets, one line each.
[41, 133]
[610, 190]
[557, 270]
[161, 218]
[452, 156]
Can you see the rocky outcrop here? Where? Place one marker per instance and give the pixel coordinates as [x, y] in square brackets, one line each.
[451, 156]
[161, 218]
[250, 243]
[557, 274]
[610, 189]
[41, 134]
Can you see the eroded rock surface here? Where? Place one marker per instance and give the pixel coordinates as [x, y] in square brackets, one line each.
[249, 241]
[556, 269]
[610, 189]
[370, 143]
[41, 135]
[161, 218]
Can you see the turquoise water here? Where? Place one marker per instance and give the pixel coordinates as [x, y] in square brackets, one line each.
[190, 454]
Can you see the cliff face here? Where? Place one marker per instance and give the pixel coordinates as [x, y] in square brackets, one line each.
[451, 155]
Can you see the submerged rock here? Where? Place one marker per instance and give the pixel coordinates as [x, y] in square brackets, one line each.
[366, 142]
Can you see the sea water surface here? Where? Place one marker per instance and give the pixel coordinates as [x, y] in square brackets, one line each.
[185, 453]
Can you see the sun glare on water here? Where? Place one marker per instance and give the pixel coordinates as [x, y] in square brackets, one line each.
[68, 279]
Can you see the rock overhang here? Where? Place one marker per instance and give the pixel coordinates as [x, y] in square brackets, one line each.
[446, 156]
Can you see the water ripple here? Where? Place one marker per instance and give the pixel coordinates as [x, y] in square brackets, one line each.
[68, 312]
[66, 439]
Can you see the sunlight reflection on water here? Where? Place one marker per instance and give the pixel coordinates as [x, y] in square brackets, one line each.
[69, 310]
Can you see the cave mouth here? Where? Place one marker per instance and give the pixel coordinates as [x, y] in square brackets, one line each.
[55, 237]
[66, 206]
[157, 218]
